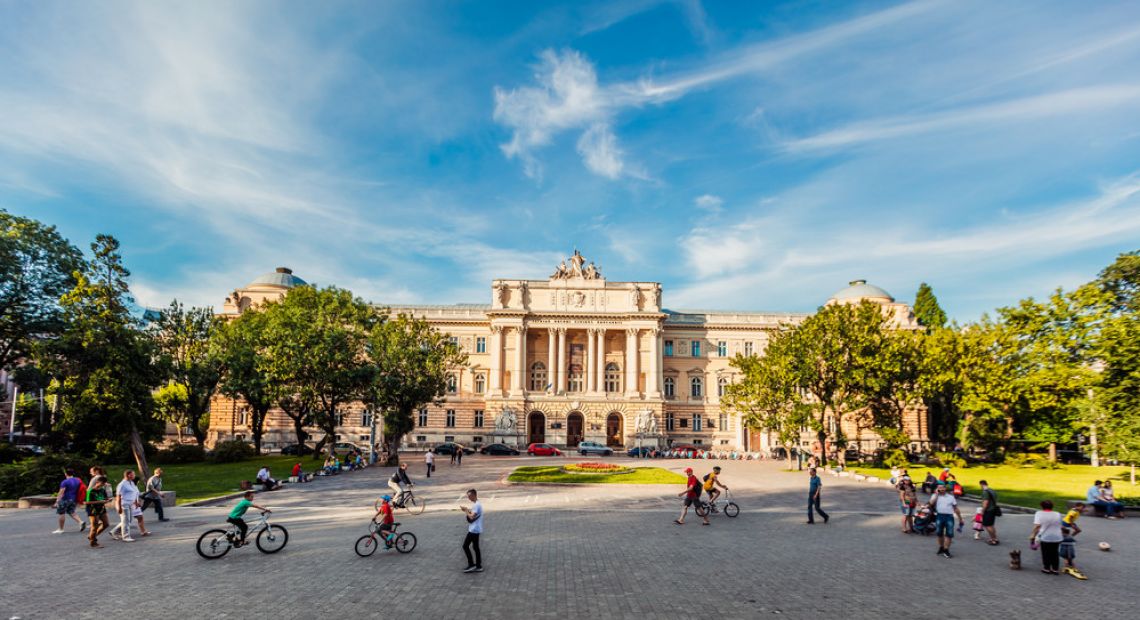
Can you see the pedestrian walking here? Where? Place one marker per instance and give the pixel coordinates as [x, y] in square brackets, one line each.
[127, 503]
[908, 501]
[692, 495]
[474, 516]
[990, 512]
[945, 508]
[96, 505]
[1047, 533]
[429, 462]
[107, 493]
[153, 494]
[453, 451]
[815, 489]
[459, 455]
[67, 499]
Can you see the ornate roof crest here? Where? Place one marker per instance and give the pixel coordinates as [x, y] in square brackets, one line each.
[577, 270]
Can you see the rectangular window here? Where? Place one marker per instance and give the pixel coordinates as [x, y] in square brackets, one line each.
[696, 348]
[454, 340]
[748, 348]
[449, 437]
[476, 440]
[423, 417]
[421, 438]
[722, 349]
[669, 421]
[697, 442]
[684, 423]
[668, 348]
[724, 442]
[480, 345]
[696, 421]
[478, 418]
[340, 419]
[450, 418]
[724, 421]
[366, 419]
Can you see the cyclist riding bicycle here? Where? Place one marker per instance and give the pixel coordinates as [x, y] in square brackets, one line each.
[239, 511]
[397, 483]
[712, 481]
[387, 519]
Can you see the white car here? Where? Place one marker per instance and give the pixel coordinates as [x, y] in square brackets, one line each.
[593, 447]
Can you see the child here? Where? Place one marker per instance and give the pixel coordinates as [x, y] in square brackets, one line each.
[978, 528]
[1068, 551]
[1070, 520]
[239, 511]
[386, 519]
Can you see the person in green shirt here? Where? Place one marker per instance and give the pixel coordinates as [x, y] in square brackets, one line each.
[239, 511]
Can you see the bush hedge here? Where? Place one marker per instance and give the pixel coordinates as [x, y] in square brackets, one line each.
[182, 453]
[232, 451]
[39, 475]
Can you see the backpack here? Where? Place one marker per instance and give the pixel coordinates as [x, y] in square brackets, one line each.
[81, 495]
[957, 490]
[706, 478]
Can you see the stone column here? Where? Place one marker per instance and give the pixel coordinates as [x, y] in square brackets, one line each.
[551, 360]
[601, 365]
[653, 377]
[518, 375]
[561, 384]
[631, 361]
[591, 360]
[496, 360]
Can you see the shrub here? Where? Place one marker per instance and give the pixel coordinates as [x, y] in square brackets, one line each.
[119, 451]
[232, 451]
[1044, 463]
[181, 453]
[951, 460]
[40, 475]
[895, 458]
[8, 453]
[1017, 460]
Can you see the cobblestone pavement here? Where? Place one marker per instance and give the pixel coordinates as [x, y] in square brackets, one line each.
[606, 551]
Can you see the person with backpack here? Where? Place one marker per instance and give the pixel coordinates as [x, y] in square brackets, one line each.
[692, 494]
[153, 494]
[990, 512]
[67, 500]
[98, 494]
[712, 481]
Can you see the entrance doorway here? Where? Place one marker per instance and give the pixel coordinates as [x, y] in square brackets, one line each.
[613, 430]
[574, 425]
[536, 427]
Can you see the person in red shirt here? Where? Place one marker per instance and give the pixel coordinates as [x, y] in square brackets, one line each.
[297, 472]
[386, 519]
[692, 494]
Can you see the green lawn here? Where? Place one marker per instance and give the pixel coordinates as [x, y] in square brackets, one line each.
[552, 473]
[1027, 486]
[194, 481]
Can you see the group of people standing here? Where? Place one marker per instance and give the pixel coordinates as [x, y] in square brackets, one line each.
[96, 495]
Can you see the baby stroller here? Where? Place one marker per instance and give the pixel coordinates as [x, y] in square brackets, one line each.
[924, 521]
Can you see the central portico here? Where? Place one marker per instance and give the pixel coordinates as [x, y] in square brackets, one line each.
[577, 353]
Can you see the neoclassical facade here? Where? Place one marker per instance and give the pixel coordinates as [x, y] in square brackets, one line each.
[576, 357]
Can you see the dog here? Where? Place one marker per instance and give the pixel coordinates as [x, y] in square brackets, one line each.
[1015, 559]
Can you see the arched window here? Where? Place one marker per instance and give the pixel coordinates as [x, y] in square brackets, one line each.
[670, 387]
[538, 377]
[721, 386]
[452, 384]
[613, 377]
[480, 383]
[696, 387]
[575, 378]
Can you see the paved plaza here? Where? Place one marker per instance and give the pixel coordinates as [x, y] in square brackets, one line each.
[606, 551]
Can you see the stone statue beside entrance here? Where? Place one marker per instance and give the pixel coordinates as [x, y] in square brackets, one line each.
[507, 421]
[647, 423]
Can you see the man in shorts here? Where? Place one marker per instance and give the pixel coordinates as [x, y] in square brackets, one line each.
[945, 507]
[908, 501]
[67, 500]
[692, 494]
[990, 512]
[712, 481]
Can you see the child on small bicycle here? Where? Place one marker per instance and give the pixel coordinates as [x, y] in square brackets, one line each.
[239, 511]
[386, 519]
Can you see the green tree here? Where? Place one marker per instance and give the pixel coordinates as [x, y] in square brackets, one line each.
[1121, 281]
[239, 344]
[170, 405]
[941, 378]
[768, 396]
[411, 360]
[315, 350]
[893, 383]
[184, 337]
[1116, 410]
[102, 360]
[926, 308]
[37, 266]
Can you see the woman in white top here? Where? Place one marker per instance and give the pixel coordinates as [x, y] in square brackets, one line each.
[1047, 532]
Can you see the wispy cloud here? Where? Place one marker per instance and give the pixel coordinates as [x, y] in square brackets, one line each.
[709, 202]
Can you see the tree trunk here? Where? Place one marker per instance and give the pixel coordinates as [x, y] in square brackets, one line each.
[821, 437]
[788, 452]
[139, 453]
[393, 445]
[257, 427]
[178, 431]
[1052, 452]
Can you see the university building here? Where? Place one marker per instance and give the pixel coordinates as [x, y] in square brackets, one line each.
[576, 357]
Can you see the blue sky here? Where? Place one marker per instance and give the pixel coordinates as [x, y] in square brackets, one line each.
[747, 155]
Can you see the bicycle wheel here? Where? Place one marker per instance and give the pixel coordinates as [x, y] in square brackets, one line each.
[272, 539]
[701, 508]
[414, 505]
[406, 542]
[214, 544]
[731, 509]
[366, 545]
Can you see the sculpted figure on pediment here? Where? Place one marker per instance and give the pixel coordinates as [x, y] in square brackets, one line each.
[504, 294]
[635, 298]
[560, 272]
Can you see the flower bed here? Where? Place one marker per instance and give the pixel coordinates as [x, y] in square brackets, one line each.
[595, 468]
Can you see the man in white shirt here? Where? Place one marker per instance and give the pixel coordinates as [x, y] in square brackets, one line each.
[474, 516]
[127, 503]
[265, 478]
[429, 460]
[945, 507]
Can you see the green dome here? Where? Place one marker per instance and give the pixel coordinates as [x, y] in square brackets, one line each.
[282, 277]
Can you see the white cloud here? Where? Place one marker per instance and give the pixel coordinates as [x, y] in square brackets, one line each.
[709, 202]
[599, 150]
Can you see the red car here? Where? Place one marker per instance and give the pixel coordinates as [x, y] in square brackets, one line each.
[543, 449]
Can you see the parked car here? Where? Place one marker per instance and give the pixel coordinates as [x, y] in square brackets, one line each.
[499, 449]
[542, 449]
[345, 447]
[593, 447]
[297, 449]
[697, 451]
[639, 452]
[450, 447]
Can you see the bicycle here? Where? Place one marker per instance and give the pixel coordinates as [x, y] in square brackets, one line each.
[731, 508]
[403, 542]
[407, 501]
[270, 538]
